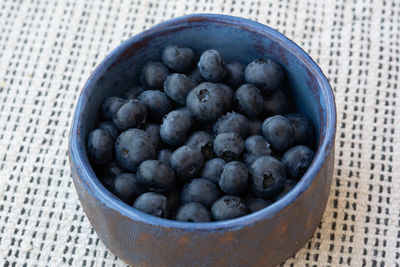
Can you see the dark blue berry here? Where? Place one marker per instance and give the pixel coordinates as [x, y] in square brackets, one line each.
[196, 75]
[266, 74]
[107, 173]
[157, 103]
[110, 128]
[132, 148]
[130, 115]
[164, 156]
[255, 127]
[100, 146]
[233, 178]
[257, 145]
[279, 133]
[110, 106]
[267, 177]
[232, 122]
[289, 184]
[228, 146]
[153, 75]
[235, 74]
[152, 203]
[206, 102]
[249, 101]
[153, 130]
[179, 59]
[203, 142]
[229, 207]
[175, 127]
[193, 212]
[303, 129]
[126, 187]
[276, 104]
[201, 191]
[256, 204]
[297, 160]
[177, 86]
[156, 176]
[228, 95]
[187, 162]
[212, 169]
[133, 92]
[211, 66]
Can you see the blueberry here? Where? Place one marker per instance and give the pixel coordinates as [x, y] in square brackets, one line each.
[153, 130]
[175, 127]
[164, 156]
[297, 160]
[126, 187]
[257, 146]
[130, 115]
[212, 169]
[156, 176]
[152, 203]
[228, 146]
[256, 204]
[110, 128]
[201, 191]
[249, 101]
[249, 159]
[229, 207]
[132, 148]
[110, 106]
[235, 74]
[187, 162]
[255, 127]
[193, 212]
[107, 173]
[303, 129]
[267, 177]
[153, 75]
[211, 66]
[157, 104]
[232, 122]
[177, 86]
[100, 146]
[133, 92]
[203, 142]
[276, 104]
[279, 133]
[289, 184]
[196, 75]
[206, 102]
[266, 74]
[233, 178]
[179, 59]
[228, 95]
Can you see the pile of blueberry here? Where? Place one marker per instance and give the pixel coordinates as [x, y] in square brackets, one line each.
[200, 143]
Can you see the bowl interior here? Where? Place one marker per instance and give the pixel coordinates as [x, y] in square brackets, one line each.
[237, 40]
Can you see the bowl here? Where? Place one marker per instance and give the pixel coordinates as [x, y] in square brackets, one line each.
[263, 238]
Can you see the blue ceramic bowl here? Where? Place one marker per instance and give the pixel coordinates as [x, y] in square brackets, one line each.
[263, 238]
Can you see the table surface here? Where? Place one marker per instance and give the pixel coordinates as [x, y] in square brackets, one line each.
[49, 48]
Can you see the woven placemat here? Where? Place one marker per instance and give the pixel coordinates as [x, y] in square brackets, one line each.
[49, 48]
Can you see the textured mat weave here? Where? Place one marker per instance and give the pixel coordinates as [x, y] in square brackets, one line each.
[48, 49]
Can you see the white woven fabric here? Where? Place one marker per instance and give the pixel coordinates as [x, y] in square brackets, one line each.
[49, 48]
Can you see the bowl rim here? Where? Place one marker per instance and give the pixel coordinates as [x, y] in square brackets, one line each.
[77, 150]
